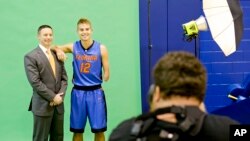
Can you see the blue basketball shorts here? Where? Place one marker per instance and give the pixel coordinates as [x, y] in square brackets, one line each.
[89, 104]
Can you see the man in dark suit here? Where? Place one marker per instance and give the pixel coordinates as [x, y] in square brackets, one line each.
[48, 79]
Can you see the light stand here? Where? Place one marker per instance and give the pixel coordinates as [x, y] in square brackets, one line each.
[150, 46]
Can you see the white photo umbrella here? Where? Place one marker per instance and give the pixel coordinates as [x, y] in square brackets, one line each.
[224, 19]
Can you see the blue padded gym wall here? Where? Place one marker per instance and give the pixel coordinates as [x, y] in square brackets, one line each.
[166, 18]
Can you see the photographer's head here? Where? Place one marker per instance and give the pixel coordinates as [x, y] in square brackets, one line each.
[179, 76]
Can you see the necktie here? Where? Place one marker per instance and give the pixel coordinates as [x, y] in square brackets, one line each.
[52, 62]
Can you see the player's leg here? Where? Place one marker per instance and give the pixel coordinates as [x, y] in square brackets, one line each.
[99, 136]
[97, 113]
[78, 137]
[78, 115]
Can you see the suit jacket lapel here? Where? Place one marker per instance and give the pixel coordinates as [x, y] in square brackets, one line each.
[46, 60]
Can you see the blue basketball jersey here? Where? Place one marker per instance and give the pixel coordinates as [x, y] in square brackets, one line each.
[87, 65]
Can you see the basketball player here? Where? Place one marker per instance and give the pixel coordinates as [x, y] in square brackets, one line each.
[90, 68]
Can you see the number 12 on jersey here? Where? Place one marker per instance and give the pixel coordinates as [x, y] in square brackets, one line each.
[85, 66]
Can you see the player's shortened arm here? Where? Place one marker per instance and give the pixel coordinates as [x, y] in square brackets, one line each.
[105, 62]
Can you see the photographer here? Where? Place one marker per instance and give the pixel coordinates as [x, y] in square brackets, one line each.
[176, 111]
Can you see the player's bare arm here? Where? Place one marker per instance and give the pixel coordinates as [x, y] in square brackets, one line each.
[105, 62]
[62, 49]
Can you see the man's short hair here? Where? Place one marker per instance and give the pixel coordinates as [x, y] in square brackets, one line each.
[42, 27]
[180, 74]
[84, 21]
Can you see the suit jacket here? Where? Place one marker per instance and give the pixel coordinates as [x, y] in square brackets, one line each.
[45, 85]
